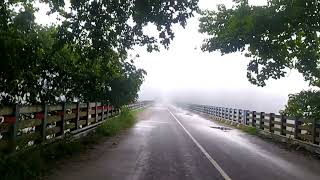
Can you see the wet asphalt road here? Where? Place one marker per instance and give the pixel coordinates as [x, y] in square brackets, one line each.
[175, 144]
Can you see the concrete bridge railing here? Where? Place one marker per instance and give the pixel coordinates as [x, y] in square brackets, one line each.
[306, 130]
[26, 126]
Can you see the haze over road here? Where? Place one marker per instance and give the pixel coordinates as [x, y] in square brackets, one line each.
[170, 143]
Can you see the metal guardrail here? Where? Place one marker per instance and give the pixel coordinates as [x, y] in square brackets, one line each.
[26, 126]
[295, 128]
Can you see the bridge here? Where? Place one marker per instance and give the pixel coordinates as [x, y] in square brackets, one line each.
[174, 142]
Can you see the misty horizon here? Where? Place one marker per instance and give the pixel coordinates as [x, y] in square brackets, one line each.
[186, 74]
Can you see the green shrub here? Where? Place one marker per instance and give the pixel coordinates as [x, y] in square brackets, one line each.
[249, 129]
[111, 127]
[24, 165]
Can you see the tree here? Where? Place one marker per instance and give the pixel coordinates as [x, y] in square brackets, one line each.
[128, 84]
[99, 27]
[279, 36]
[304, 104]
[84, 56]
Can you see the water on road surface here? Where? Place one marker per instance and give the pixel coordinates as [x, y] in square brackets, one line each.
[169, 143]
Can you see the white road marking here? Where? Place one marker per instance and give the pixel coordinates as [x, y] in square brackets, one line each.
[145, 126]
[212, 161]
[160, 122]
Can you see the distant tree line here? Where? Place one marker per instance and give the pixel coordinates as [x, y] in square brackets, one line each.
[279, 36]
[84, 56]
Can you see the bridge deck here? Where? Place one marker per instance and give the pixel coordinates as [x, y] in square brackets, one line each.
[176, 144]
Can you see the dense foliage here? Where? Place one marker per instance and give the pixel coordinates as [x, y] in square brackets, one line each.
[84, 56]
[304, 104]
[283, 34]
[279, 36]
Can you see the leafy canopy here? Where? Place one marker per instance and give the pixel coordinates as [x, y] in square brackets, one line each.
[283, 34]
[304, 104]
[84, 57]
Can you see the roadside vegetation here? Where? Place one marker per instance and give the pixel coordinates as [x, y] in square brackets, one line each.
[248, 129]
[112, 127]
[34, 163]
[277, 37]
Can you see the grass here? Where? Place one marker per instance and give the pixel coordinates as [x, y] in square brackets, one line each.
[32, 163]
[113, 126]
[248, 129]
[35, 162]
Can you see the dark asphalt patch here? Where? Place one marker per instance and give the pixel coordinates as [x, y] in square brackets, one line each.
[221, 128]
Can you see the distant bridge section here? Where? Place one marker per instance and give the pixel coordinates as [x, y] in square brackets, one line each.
[301, 130]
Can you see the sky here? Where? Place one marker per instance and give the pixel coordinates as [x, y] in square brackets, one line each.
[186, 74]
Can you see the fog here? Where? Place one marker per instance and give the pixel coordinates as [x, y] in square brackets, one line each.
[186, 74]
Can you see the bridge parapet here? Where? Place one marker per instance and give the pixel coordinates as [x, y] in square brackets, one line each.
[25, 126]
[305, 130]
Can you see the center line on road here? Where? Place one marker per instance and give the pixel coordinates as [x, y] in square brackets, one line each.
[212, 161]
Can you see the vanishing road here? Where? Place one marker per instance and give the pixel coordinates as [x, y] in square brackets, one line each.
[169, 143]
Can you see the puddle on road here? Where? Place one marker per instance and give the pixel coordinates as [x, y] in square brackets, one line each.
[222, 128]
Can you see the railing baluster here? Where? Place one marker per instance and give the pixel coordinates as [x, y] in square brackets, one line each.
[271, 124]
[314, 133]
[78, 116]
[261, 123]
[44, 123]
[283, 127]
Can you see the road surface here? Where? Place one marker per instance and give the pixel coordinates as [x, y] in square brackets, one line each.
[169, 143]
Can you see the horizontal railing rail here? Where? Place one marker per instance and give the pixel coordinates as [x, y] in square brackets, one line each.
[26, 126]
[307, 130]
